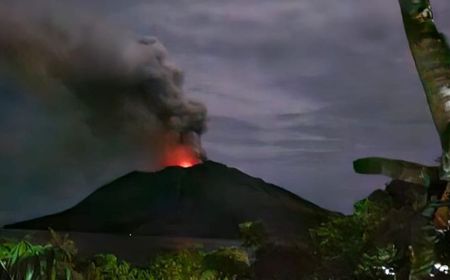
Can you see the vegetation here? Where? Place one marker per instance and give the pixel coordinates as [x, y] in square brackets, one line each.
[253, 234]
[347, 242]
[346, 248]
[103, 267]
[23, 260]
[225, 263]
[58, 260]
[350, 248]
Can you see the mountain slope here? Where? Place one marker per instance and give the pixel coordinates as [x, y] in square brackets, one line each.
[206, 200]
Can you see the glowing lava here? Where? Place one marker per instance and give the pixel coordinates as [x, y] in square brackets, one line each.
[178, 152]
[186, 164]
[182, 156]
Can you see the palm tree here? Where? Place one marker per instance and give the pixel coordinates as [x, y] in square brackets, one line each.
[431, 54]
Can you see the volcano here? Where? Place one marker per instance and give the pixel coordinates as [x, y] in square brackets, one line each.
[207, 200]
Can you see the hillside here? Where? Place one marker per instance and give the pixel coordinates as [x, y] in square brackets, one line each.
[208, 200]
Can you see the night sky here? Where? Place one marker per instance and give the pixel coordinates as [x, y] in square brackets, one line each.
[295, 90]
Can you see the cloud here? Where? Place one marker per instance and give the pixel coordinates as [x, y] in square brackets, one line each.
[119, 79]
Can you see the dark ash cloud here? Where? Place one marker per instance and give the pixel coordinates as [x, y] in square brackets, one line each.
[119, 79]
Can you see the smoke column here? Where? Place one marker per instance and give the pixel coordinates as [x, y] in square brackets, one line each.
[123, 84]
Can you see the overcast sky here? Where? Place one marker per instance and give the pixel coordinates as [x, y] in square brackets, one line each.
[296, 90]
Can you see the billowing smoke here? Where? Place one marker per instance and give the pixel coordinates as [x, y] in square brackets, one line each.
[123, 84]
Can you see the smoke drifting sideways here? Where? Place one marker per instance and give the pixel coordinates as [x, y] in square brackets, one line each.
[124, 87]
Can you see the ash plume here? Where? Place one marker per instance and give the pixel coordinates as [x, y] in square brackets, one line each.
[124, 85]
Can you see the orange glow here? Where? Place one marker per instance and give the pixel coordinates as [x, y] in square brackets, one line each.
[186, 164]
[178, 154]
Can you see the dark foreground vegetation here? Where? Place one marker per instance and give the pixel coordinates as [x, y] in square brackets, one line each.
[58, 260]
[389, 236]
